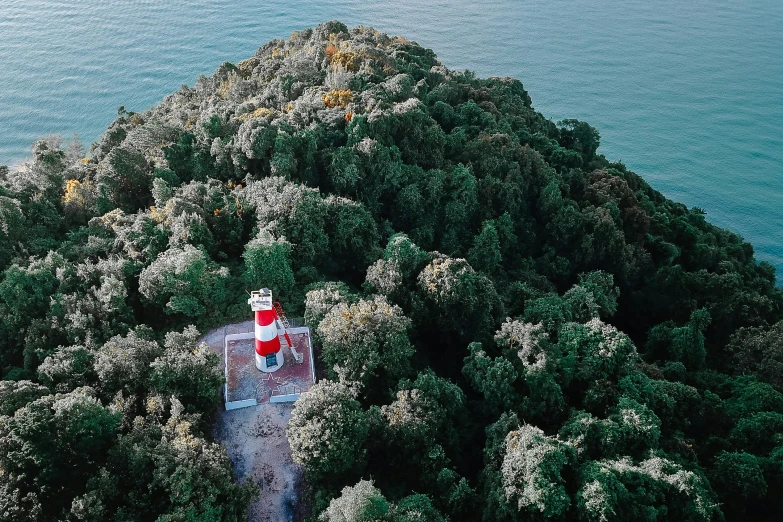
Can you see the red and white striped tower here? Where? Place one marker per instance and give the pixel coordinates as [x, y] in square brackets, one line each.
[269, 352]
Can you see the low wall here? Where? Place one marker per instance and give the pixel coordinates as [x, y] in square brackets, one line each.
[291, 397]
[235, 405]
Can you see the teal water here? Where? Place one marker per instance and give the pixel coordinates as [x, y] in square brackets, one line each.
[687, 94]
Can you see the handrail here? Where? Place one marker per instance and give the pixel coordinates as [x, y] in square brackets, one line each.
[281, 315]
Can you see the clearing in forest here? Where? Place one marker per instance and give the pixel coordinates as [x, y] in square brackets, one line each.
[254, 437]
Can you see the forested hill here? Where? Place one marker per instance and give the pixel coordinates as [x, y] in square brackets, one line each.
[512, 326]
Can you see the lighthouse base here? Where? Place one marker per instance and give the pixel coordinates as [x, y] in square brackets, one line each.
[270, 363]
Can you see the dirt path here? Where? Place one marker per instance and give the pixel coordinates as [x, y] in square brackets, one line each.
[256, 443]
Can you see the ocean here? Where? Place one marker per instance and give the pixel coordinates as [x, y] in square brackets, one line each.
[687, 94]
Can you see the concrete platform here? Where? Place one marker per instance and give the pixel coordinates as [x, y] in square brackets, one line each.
[245, 384]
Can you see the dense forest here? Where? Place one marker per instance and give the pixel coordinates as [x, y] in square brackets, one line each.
[511, 326]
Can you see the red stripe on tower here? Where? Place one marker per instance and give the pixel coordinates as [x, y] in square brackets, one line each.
[265, 317]
[267, 341]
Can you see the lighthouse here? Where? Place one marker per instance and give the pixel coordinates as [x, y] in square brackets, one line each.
[269, 351]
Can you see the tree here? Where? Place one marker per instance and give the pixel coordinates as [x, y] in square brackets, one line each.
[595, 351]
[384, 277]
[394, 275]
[321, 298]
[594, 297]
[415, 507]
[268, 263]
[485, 254]
[750, 396]
[360, 503]
[688, 344]
[123, 363]
[654, 488]
[68, 368]
[299, 213]
[552, 312]
[460, 300]
[161, 191]
[493, 378]
[184, 280]
[531, 473]
[634, 429]
[364, 502]
[526, 379]
[123, 181]
[11, 228]
[408, 257]
[366, 341]
[39, 446]
[164, 471]
[95, 314]
[25, 298]
[759, 433]
[352, 235]
[579, 136]
[196, 477]
[529, 342]
[429, 404]
[759, 351]
[18, 394]
[675, 404]
[136, 237]
[447, 280]
[190, 229]
[738, 477]
[327, 432]
[189, 371]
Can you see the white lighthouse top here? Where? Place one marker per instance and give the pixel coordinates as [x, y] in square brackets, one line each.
[260, 299]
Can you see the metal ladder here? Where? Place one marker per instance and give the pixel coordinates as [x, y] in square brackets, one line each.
[281, 315]
[298, 357]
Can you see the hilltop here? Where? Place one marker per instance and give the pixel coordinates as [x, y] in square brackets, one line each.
[513, 327]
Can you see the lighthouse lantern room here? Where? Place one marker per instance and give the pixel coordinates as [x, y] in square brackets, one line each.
[269, 351]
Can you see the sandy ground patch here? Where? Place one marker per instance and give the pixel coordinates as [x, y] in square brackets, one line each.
[256, 443]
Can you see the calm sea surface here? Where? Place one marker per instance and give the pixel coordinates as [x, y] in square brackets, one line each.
[688, 94]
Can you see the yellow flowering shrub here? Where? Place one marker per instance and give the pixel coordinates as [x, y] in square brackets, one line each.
[261, 112]
[337, 98]
[348, 60]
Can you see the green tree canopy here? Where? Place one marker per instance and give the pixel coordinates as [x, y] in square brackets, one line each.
[327, 431]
